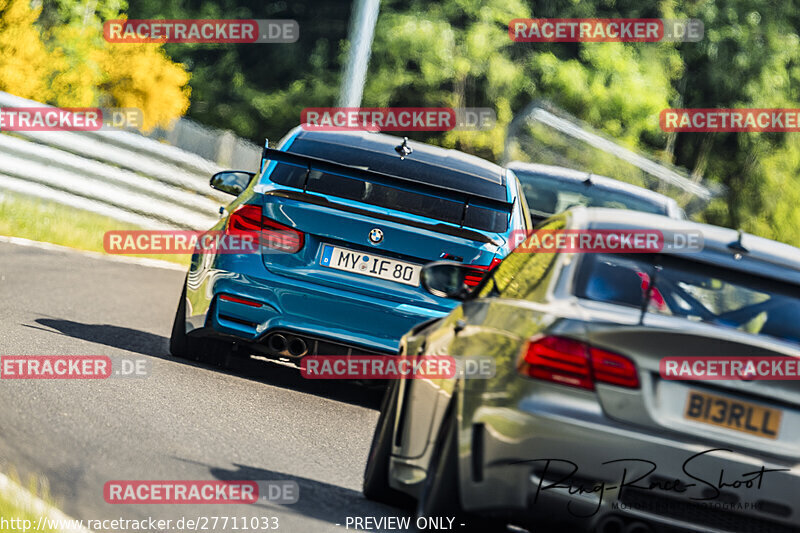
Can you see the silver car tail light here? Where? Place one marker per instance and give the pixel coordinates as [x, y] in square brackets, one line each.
[575, 364]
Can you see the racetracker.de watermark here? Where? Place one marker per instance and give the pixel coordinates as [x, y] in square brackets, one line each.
[230, 31]
[180, 492]
[611, 30]
[73, 367]
[620, 241]
[730, 367]
[175, 242]
[45, 118]
[397, 118]
[730, 120]
[396, 367]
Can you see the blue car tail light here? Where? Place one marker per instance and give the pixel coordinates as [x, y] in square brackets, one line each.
[472, 279]
[248, 218]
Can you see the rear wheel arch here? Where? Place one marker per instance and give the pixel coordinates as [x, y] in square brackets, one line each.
[441, 491]
[376, 484]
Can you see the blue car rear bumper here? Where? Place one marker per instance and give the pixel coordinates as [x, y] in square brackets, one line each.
[299, 306]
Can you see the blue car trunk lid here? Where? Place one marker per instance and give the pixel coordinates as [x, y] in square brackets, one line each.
[331, 224]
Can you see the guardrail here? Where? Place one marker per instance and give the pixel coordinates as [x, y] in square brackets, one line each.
[119, 174]
[135, 179]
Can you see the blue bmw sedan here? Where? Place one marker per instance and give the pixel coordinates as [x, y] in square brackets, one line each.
[346, 221]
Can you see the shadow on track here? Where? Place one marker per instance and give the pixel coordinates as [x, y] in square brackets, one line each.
[287, 376]
[131, 340]
[277, 375]
[322, 501]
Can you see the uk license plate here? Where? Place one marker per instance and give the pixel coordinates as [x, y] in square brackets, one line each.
[738, 415]
[375, 266]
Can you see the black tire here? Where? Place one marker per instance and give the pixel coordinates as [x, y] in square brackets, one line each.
[440, 492]
[178, 340]
[183, 346]
[376, 474]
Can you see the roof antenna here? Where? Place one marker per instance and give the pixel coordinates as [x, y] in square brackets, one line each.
[264, 155]
[737, 245]
[403, 149]
[588, 180]
[648, 295]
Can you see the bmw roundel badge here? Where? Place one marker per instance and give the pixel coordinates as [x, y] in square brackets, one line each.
[375, 236]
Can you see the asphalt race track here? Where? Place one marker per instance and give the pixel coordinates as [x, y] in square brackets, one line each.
[182, 422]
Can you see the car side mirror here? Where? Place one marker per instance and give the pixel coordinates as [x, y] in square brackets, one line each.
[446, 279]
[232, 181]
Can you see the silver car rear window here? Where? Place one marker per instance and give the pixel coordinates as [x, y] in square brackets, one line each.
[694, 291]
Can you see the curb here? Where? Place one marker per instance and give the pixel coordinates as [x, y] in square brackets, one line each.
[141, 261]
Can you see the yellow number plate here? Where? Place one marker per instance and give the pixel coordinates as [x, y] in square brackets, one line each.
[733, 414]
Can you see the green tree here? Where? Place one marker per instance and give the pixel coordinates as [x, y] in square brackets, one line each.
[23, 56]
[748, 58]
[258, 90]
[457, 53]
[56, 54]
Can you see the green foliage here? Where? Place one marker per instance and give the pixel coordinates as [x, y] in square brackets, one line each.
[258, 91]
[42, 220]
[749, 58]
[56, 54]
[22, 54]
[12, 508]
[457, 53]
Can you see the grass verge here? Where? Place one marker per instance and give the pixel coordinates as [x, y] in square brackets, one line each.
[18, 513]
[41, 220]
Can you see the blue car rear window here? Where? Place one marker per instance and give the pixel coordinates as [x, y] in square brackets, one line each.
[383, 196]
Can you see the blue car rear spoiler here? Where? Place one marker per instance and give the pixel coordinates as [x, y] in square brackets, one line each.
[397, 182]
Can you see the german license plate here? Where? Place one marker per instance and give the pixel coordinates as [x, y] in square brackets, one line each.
[733, 414]
[371, 265]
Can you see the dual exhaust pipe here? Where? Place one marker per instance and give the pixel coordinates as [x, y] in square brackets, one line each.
[289, 346]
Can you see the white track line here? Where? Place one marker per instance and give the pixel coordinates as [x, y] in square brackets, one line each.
[30, 502]
[141, 261]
